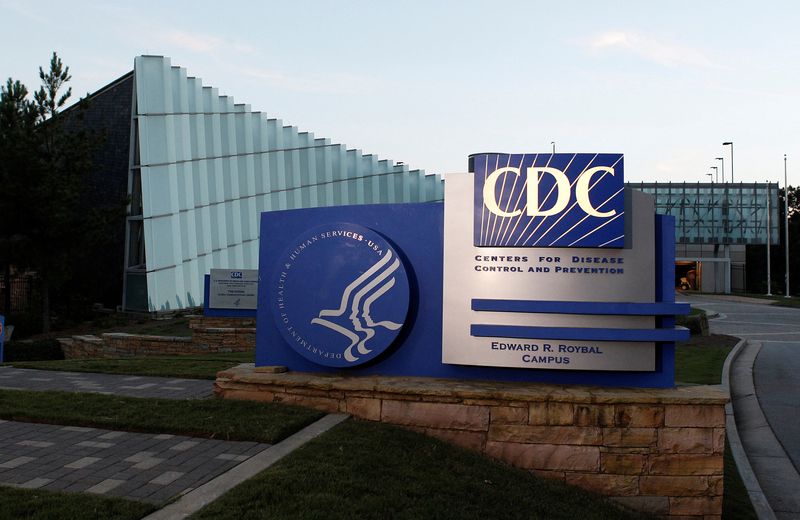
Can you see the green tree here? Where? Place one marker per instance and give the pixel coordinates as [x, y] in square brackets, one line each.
[45, 155]
[794, 238]
[17, 123]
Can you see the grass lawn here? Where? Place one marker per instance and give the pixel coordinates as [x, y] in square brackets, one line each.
[699, 360]
[168, 327]
[359, 469]
[371, 470]
[212, 418]
[780, 301]
[16, 504]
[115, 322]
[195, 367]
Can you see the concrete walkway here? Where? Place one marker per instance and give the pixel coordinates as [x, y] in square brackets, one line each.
[139, 466]
[133, 386]
[154, 468]
[764, 384]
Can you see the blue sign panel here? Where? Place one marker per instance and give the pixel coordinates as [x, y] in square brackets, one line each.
[549, 200]
[416, 235]
[339, 294]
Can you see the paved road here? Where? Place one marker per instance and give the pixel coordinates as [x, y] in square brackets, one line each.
[777, 367]
[134, 386]
[776, 382]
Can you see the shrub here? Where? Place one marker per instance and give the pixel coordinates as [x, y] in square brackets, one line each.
[41, 350]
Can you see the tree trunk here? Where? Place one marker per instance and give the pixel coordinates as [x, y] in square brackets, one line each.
[7, 294]
[45, 305]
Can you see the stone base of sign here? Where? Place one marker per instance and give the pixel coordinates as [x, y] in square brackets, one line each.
[654, 450]
[210, 335]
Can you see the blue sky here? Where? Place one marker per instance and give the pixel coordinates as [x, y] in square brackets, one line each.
[429, 82]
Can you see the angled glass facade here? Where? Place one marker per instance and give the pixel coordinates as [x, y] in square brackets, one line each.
[714, 225]
[203, 168]
[718, 213]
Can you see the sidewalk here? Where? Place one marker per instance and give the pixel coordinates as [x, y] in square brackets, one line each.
[138, 466]
[726, 298]
[153, 468]
[133, 386]
[768, 473]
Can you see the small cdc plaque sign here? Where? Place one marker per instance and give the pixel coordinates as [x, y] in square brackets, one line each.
[233, 289]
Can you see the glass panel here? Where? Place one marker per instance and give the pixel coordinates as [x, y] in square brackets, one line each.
[136, 193]
[136, 292]
[136, 257]
[718, 213]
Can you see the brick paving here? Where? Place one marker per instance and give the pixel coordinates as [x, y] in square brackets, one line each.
[140, 466]
[134, 386]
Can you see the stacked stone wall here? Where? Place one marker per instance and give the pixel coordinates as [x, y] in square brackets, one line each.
[209, 335]
[654, 450]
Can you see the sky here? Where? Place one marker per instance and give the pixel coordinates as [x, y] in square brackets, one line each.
[430, 82]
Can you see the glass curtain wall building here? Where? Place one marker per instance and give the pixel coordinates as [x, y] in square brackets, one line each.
[198, 169]
[714, 223]
[202, 168]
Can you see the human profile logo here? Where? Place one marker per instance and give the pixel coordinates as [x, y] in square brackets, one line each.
[340, 295]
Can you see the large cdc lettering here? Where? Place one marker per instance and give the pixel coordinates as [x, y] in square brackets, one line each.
[549, 200]
[562, 186]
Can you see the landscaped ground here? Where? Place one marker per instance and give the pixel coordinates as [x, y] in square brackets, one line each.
[358, 469]
[212, 418]
[375, 471]
[173, 326]
[193, 367]
[699, 361]
[45, 346]
[34, 504]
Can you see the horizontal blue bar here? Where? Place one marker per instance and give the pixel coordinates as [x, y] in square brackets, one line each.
[578, 333]
[564, 307]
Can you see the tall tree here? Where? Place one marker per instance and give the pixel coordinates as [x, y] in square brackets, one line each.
[50, 155]
[17, 123]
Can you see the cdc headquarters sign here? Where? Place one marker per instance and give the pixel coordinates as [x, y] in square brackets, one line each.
[538, 267]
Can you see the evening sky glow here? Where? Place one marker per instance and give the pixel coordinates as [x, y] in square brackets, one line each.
[429, 83]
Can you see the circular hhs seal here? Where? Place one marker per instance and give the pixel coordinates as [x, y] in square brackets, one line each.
[339, 295]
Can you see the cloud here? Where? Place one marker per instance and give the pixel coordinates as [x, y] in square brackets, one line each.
[667, 54]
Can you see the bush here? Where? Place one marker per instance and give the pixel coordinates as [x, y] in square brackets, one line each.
[25, 324]
[696, 323]
[42, 350]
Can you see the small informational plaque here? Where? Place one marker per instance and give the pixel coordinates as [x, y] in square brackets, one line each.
[233, 289]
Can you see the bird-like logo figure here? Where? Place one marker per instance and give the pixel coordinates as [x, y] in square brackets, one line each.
[358, 297]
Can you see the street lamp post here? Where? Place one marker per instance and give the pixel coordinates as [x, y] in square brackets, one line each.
[723, 167]
[726, 143]
[716, 173]
[769, 239]
[786, 223]
[711, 177]
[554, 146]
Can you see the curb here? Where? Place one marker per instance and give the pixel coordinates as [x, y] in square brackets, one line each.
[759, 501]
[200, 497]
